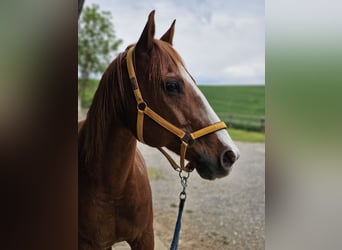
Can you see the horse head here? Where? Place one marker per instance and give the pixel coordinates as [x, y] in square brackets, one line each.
[168, 89]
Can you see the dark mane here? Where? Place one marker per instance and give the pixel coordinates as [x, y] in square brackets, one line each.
[106, 107]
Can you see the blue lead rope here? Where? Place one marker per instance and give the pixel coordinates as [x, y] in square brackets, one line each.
[174, 243]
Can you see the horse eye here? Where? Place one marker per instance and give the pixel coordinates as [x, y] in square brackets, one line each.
[172, 86]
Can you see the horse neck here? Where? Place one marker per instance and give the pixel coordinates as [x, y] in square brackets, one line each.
[112, 169]
[106, 147]
[119, 157]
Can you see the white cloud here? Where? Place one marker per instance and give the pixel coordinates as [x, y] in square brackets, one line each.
[241, 71]
[220, 41]
[252, 73]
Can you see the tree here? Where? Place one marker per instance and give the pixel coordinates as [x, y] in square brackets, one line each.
[97, 43]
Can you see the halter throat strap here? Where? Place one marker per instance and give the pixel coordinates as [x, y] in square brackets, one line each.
[186, 138]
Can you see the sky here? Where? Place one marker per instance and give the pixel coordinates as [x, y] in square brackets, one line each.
[220, 41]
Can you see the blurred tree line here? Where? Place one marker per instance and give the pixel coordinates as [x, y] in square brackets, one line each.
[97, 44]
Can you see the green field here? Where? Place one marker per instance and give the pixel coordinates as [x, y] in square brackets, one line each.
[242, 100]
[246, 136]
[242, 107]
[225, 100]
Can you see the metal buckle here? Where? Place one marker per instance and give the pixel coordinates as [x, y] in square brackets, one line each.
[141, 106]
[188, 139]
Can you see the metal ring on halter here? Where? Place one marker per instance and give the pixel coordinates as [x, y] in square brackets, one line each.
[187, 138]
[142, 106]
[184, 176]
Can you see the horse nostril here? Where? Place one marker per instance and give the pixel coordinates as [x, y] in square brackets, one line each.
[228, 157]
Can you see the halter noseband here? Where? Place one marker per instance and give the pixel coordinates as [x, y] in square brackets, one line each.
[187, 139]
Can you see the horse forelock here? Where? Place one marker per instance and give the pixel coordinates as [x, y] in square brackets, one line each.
[164, 58]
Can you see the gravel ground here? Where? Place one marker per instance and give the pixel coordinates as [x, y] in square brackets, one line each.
[227, 213]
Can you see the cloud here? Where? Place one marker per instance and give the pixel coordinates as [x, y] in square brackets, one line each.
[220, 41]
[249, 73]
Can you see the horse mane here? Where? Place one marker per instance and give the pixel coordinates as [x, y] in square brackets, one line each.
[107, 105]
[110, 99]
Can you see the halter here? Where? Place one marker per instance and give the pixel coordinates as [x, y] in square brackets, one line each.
[186, 138]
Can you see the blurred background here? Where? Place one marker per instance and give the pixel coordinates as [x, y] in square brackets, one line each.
[223, 46]
[38, 132]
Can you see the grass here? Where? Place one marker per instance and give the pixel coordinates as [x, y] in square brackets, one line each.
[246, 136]
[226, 101]
[242, 100]
[87, 90]
[242, 107]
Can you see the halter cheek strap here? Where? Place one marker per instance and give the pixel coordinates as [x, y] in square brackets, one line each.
[187, 139]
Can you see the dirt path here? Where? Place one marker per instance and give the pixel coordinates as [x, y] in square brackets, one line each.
[226, 213]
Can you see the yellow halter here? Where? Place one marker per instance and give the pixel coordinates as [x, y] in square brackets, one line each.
[187, 139]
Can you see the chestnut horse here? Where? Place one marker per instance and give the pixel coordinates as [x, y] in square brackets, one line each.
[115, 202]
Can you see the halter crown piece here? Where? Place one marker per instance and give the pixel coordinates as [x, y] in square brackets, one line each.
[186, 138]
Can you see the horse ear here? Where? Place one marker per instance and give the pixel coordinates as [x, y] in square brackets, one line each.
[168, 36]
[147, 36]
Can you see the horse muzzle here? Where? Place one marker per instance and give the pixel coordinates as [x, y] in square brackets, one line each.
[210, 168]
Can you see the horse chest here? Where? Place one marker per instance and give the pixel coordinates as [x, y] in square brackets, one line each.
[118, 217]
[134, 212]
